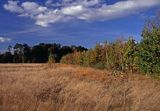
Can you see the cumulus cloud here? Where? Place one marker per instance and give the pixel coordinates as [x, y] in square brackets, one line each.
[13, 7]
[33, 8]
[87, 10]
[73, 10]
[4, 39]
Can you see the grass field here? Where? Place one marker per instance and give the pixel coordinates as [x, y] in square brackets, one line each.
[35, 87]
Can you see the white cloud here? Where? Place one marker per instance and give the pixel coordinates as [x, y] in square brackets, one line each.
[73, 10]
[32, 9]
[29, 6]
[4, 39]
[119, 9]
[48, 17]
[86, 3]
[87, 10]
[48, 2]
[13, 7]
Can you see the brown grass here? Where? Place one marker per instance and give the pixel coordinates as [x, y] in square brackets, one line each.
[34, 87]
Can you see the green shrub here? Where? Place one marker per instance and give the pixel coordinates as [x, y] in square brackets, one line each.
[51, 59]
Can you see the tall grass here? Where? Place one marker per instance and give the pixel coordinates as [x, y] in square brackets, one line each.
[35, 87]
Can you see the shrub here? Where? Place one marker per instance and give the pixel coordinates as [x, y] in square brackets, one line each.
[51, 59]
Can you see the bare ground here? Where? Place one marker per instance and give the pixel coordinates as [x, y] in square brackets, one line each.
[35, 87]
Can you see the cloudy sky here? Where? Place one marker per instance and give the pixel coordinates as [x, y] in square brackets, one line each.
[72, 22]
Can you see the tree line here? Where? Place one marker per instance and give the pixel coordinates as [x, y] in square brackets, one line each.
[124, 55]
[120, 55]
[23, 53]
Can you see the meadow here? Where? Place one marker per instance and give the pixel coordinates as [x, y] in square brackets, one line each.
[37, 87]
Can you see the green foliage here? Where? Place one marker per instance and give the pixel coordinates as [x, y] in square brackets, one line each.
[51, 60]
[149, 47]
[149, 51]
[130, 55]
[6, 58]
[22, 53]
[122, 55]
[106, 55]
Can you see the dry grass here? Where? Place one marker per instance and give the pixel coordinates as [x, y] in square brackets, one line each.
[34, 87]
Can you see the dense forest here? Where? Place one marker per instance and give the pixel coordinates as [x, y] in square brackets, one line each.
[120, 55]
[23, 53]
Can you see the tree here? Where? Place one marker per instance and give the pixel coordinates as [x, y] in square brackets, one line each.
[18, 52]
[26, 54]
[149, 48]
[7, 57]
[130, 54]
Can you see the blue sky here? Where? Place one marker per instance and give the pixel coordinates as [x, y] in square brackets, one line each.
[72, 22]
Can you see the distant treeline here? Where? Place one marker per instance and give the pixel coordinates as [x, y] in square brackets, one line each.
[23, 53]
[124, 55]
[120, 55]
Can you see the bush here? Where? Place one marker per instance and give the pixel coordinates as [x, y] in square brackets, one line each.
[51, 60]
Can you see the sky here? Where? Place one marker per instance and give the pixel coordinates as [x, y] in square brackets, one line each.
[72, 22]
